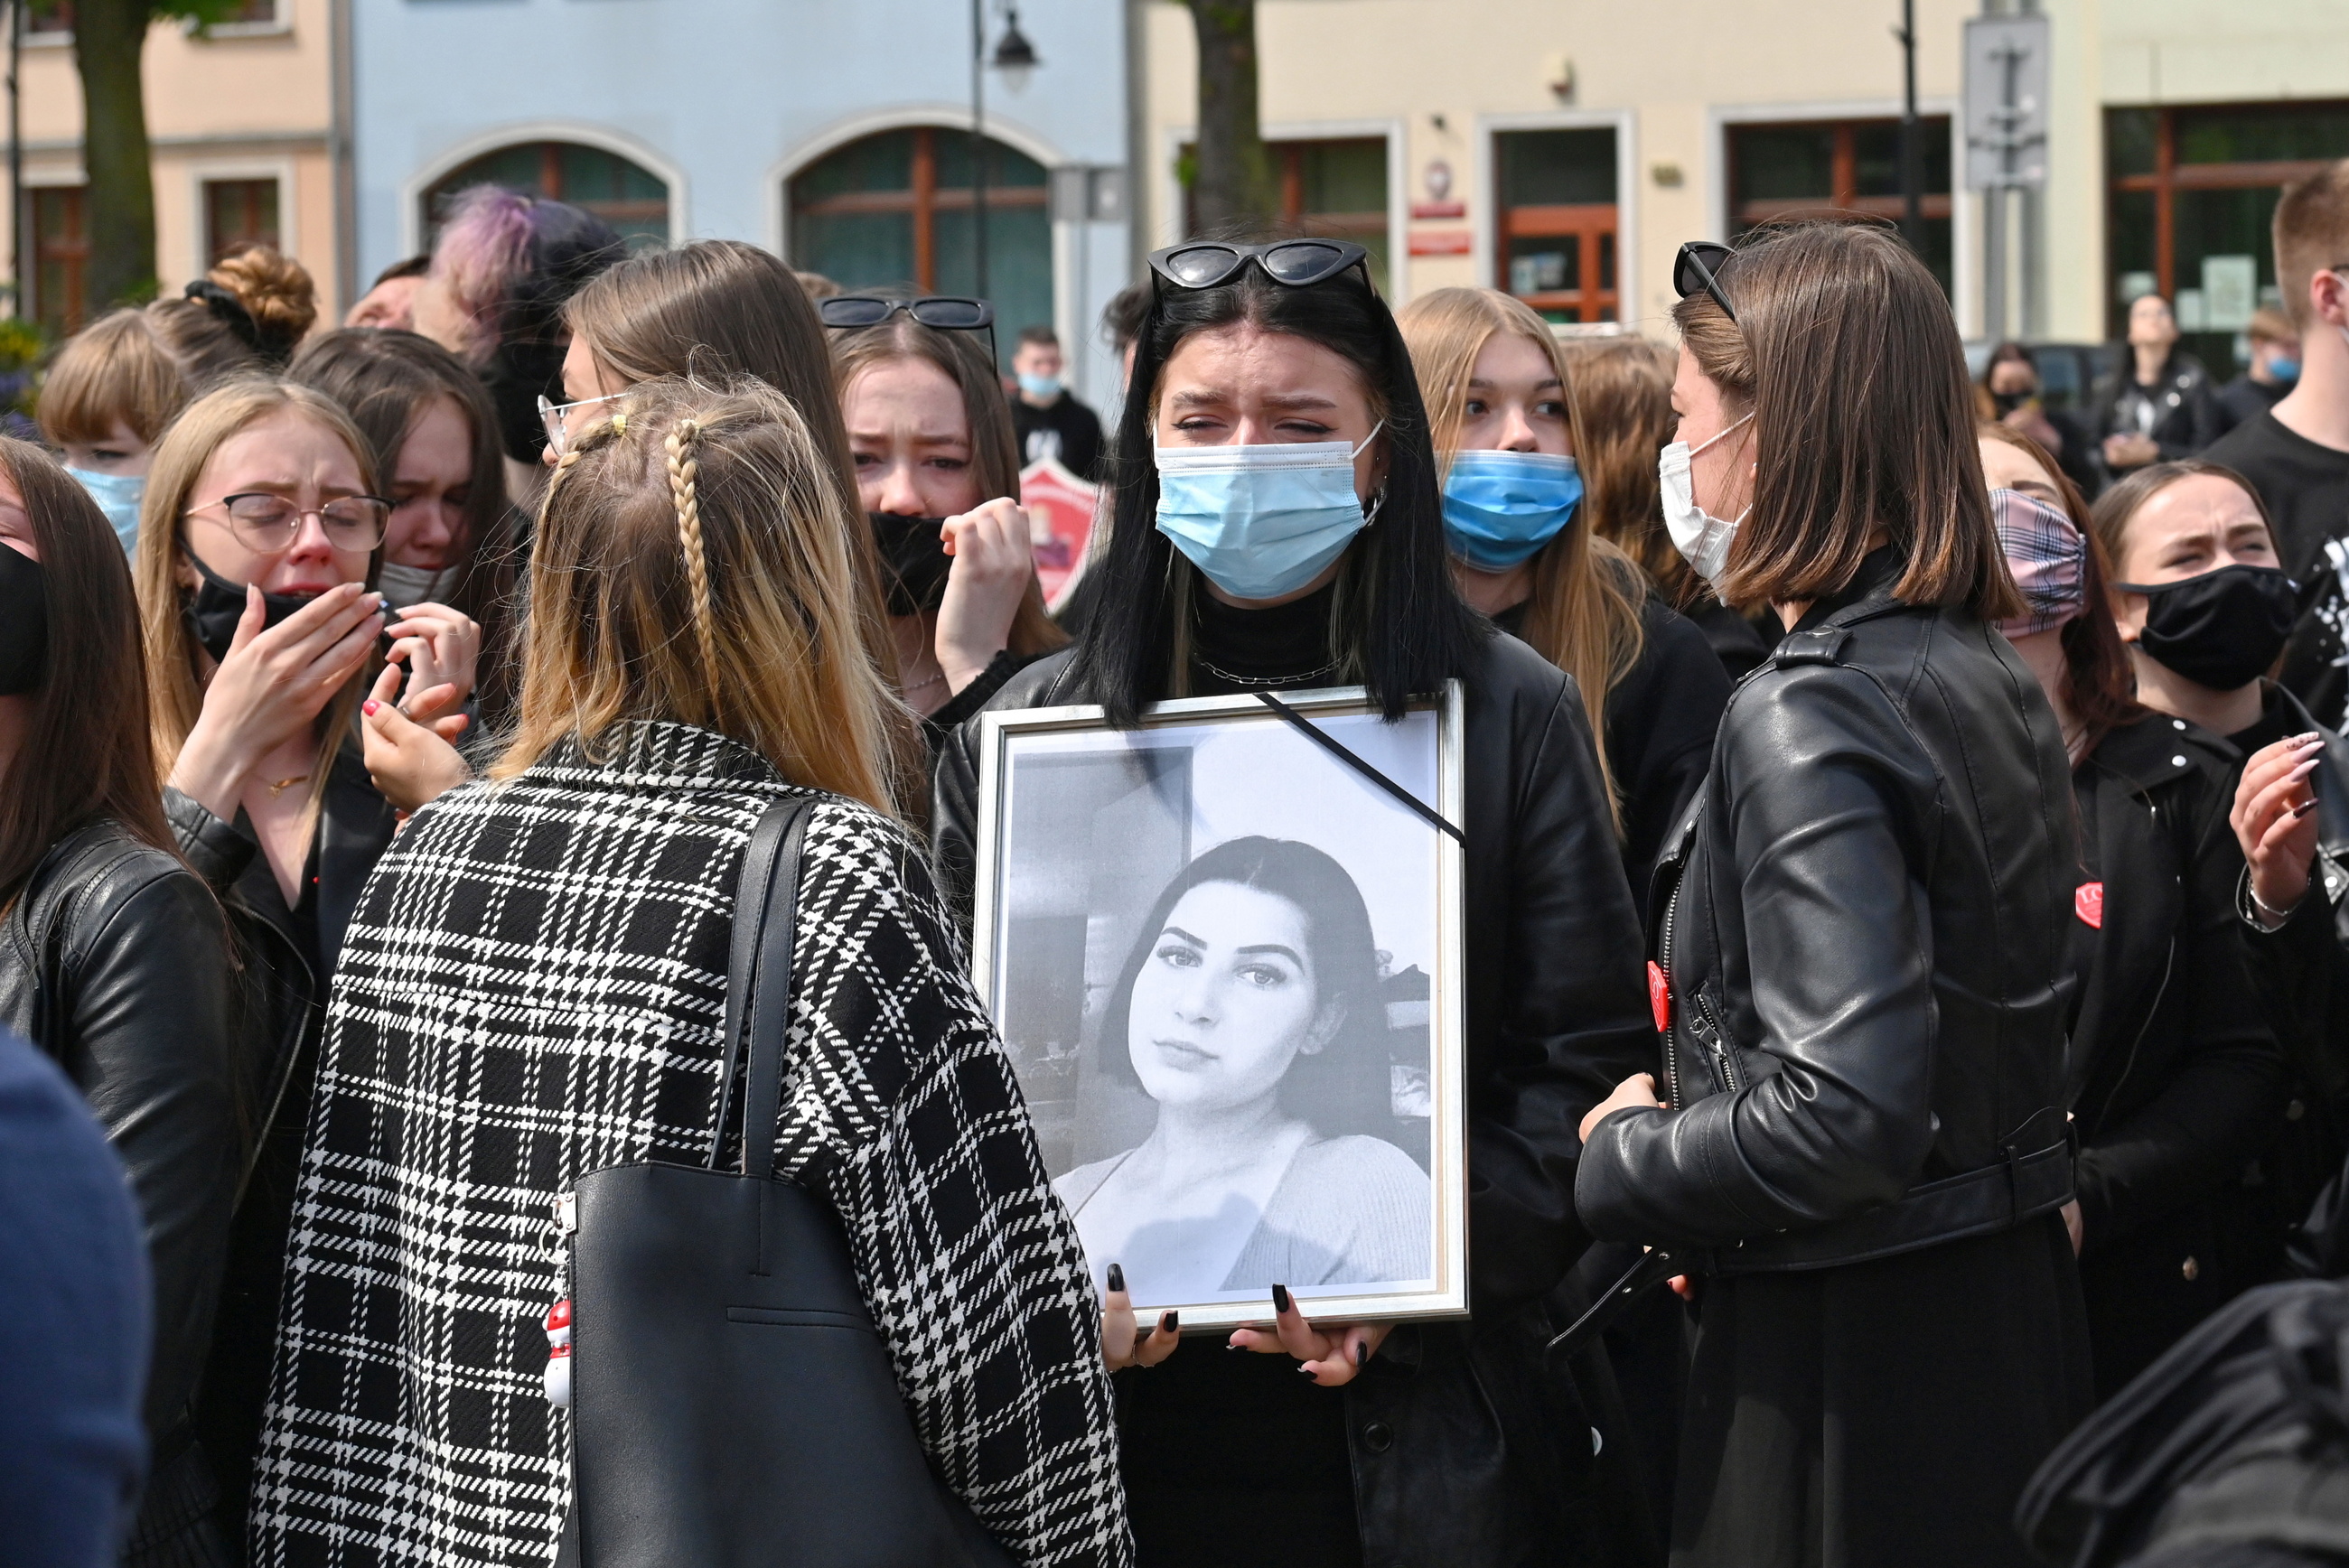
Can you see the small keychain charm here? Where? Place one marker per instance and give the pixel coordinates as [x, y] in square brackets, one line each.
[558, 1355]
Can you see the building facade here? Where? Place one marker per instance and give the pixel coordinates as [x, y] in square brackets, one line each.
[839, 136]
[241, 119]
[1562, 150]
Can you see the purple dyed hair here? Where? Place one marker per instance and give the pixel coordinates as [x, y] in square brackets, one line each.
[483, 248]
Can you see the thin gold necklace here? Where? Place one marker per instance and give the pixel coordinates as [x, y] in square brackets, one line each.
[282, 785]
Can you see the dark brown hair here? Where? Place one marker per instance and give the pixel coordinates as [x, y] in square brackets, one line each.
[87, 752]
[994, 447]
[2116, 508]
[385, 380]
[2099, 681]
[1846, 353]
[1623, 409]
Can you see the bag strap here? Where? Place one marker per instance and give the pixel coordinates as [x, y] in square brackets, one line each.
[759, 979]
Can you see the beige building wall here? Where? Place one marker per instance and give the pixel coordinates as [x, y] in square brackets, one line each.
[1440, 77]
[249, 102]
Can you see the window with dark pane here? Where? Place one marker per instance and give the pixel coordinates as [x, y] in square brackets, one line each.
[900, 208]
[1558, 221]
[2191, 193]
[624, 194]
[1850, 167]
[60, 257]
[239, 214]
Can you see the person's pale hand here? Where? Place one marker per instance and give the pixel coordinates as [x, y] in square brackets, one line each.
[1331, 1356]
[409, 754]
[272, 684]
[2071, 1212]
[443, 647]
[2130, 450]
[2274, 819]
[1637, 1090]
[1123, 1344]
[993, 564]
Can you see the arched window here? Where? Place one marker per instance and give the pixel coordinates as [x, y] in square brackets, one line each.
[629, 197]
[897, 208]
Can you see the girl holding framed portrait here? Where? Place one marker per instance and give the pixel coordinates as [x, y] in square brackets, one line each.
[1287, 531]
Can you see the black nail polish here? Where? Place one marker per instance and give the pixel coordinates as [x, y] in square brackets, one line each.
[1116, 1277]
[1362, 1353]
[1229, 1345]
[1310, 1376]
[1280, 1298]
[1169, 1322]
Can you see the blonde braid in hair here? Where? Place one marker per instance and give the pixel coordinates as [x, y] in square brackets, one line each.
[684, 470]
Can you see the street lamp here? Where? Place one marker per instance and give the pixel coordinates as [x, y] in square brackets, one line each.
[1015, 56]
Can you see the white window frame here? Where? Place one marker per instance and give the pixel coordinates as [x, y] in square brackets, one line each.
[1392, 131]
[456, 155]
[1965, 241]
[1066, 235]
[202, 171]
[1484, 244]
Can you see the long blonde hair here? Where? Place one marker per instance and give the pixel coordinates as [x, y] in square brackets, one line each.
[174, 683]
[692, 565]
[1584, 614]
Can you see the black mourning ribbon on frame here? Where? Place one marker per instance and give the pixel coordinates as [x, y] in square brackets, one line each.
[1314, 732]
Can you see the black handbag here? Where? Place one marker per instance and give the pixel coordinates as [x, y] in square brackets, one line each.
[731, 1404]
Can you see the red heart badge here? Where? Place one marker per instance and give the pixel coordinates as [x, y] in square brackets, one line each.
[2088, 904]
[1659, 995]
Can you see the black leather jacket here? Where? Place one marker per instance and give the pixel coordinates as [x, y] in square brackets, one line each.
[1461, 1447]
[1864, 945]
[117, 961]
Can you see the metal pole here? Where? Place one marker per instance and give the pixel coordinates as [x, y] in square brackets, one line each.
[978, 148]
[1994, 263]
[1913, 151]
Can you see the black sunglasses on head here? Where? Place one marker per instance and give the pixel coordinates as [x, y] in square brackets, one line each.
[1299, 263]
[1698, 266]
[950, 313]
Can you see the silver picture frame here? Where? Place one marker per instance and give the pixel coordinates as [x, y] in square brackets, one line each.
[1084, 833]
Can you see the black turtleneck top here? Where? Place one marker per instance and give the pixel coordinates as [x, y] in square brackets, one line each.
[1235, 650]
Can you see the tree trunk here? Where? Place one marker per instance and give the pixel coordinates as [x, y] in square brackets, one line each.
[108, 36]
[1233, 186]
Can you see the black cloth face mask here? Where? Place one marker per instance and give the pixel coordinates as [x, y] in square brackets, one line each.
[215, 607]
[914, 561]
[23, 622]
[2222, 629]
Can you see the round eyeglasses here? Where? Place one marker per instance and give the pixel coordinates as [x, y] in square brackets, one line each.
[268, 524]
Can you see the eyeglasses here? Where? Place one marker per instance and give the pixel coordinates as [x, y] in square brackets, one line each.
[950, 313]
[1299, 263]
[269, 523]
[1698, 266]
[551, 416]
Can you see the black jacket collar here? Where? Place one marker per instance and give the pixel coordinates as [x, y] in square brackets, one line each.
[1878, 571]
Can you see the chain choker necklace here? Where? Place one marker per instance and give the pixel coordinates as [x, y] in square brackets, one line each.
[1269, 682]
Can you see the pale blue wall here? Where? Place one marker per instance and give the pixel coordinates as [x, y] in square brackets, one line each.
[729, 94]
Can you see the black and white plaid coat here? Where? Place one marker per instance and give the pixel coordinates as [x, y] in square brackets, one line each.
[532, 988]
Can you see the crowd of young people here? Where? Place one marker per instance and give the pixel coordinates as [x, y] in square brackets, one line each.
[1894, 889]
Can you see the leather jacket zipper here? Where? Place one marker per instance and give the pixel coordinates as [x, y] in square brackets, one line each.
[1672, 1051]
[1715, 1040]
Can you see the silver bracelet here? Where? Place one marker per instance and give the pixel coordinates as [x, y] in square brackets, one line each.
[2279, 916]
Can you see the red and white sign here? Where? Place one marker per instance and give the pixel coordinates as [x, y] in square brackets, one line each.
[1442, 241]
[1061, 508]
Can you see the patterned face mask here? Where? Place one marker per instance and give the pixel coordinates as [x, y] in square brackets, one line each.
[2048, 557]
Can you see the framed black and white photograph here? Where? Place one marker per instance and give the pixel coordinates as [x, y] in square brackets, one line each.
[1224, 958]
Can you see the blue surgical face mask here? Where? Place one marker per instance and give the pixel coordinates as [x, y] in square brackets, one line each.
[2285, 370]
[1261, 521]
[1501, 508]
[118, 496]
[1045, 386]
